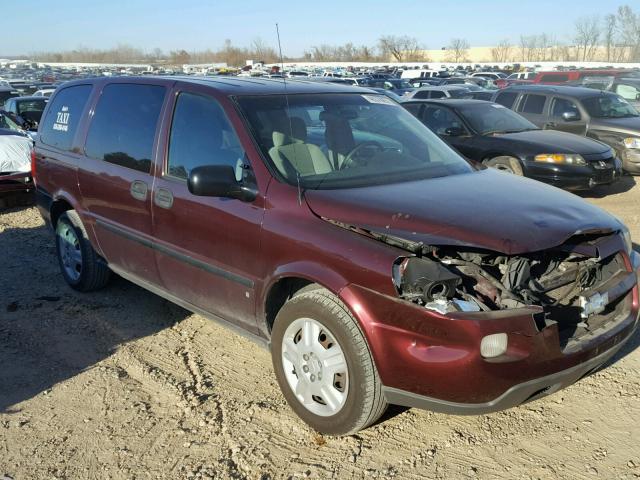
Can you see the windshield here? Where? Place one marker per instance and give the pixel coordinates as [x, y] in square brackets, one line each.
[327, 141]
[609, 106]
[488, 118]
[460, 93]
[31, 109]
[393, 83]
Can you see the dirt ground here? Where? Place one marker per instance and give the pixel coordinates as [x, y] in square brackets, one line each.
[122, 384]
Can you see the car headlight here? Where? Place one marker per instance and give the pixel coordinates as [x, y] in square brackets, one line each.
[561, 158]
[631, 142]
[628, 243]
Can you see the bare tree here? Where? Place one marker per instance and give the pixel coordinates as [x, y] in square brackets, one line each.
[586, 37]
[628, 24]
[502, 52]
[262, 52]
[402, 48]
[458, 50]
[527, 47]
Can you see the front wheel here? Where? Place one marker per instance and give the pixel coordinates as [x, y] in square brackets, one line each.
[506, 164]
[323, 364]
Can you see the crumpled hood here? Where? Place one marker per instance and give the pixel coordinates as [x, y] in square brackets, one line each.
[552, 141]
[484, 209]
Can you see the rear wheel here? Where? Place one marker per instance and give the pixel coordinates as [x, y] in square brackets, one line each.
[323, 364]
[506, 164]
[80, 265]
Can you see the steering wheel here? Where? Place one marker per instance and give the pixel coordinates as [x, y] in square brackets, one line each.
[348, 160]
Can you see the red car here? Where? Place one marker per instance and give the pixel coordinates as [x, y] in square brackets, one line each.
[330, 225]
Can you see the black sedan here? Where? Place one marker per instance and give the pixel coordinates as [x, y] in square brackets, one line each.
[498, 137]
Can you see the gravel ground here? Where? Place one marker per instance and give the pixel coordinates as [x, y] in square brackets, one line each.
[122, 384]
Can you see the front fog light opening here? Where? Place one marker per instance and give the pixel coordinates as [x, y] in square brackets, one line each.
[493, 345]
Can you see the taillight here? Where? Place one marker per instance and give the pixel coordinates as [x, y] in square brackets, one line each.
[33, 164]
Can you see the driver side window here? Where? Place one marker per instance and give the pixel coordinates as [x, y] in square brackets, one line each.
[201, 135]
[562, 105]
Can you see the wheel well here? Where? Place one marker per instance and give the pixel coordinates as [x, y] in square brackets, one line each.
[281, 291]
[58, 208]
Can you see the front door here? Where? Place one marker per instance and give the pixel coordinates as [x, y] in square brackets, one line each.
[115, 175]
[208, 249]
[564, 115]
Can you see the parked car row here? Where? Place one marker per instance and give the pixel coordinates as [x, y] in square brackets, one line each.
[329, 224]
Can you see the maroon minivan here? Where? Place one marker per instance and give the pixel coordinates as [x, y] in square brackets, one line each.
[328, 223]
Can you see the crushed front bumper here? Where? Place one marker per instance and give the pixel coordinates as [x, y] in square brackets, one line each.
[433, 361]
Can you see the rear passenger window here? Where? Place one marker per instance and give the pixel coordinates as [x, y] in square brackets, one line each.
[533, 104]
[507, 98]
[201, 135]
[59, 126]
[124, 125]
[437, 94]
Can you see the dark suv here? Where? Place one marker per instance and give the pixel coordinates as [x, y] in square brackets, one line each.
[603, 116]
[330, 225]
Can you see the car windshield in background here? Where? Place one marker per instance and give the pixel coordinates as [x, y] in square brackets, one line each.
[488, 118]
[460, 93]
[31, 109]
[609, 106]
[330, 141]
[397, 84]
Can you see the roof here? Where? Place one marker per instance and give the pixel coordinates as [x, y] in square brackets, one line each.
[452, 102]
[561, 89]
[30, 98]
[444, 87]
[241, 85]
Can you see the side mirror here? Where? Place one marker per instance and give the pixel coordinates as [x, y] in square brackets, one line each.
[219, 181]
[570, 116]
[454, 131]
[638, 96]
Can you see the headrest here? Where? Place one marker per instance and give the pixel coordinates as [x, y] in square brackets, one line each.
[295, 131]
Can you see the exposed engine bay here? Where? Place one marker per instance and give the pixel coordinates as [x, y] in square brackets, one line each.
[571, 287]
[571, 282]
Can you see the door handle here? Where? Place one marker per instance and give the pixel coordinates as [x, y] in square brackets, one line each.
[550, 125]
[163, 198]
[139, 190]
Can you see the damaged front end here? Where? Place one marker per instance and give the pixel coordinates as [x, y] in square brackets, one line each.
[581, 285]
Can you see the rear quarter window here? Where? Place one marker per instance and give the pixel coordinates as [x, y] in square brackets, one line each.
[123, 128]
[532, 104]
[60, 124]
[507, 99]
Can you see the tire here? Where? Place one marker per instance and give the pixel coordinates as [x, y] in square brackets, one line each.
[312, 327]
[506, 164]
[80, 265]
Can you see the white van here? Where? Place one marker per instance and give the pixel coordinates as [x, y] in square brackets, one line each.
[419, 73]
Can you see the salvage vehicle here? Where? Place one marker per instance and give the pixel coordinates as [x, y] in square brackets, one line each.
[16, 185]
[6, 93]
[29, 109]
[500, 138]
[330, 225]
[603, 116]
[446, 91]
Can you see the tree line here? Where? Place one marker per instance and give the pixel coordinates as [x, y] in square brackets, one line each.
[613, 37]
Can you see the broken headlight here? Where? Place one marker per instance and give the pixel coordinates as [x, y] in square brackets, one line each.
[422, 280]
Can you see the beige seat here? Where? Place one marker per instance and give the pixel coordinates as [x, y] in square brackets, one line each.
[339, 138]
[291, 152]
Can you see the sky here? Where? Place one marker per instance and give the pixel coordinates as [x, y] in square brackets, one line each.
[39, 25]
